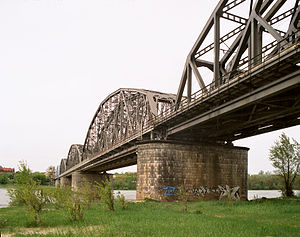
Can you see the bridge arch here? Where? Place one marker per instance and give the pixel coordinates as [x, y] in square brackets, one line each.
[62, 166]
[74, 155]
[123, 113]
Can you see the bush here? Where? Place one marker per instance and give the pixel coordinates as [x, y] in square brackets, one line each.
[27, 192]
[4, 178]
[105, 193]
[122, 202]
[87, 192]
[35, 198]
[70, 201]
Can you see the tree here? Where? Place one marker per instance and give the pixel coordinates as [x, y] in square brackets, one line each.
[285, 157]
[50, 172]
[40, 178]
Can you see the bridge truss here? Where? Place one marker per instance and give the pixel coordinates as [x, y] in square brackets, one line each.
[251, 37]
[122, 114]
[254, 88]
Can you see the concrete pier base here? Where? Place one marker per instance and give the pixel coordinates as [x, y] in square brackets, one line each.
[78, 178]
[65, 181]
[206, 171]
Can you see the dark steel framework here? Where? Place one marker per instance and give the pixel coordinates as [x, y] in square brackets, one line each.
[247, 44]
[122, 114]
[74, 155]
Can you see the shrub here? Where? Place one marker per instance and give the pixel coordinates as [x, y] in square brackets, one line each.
[27, 192]
[70, 201]
[121, 200]
[87, 192]
[4, 179]
[36, 199]
[182, 196]
[105, 193]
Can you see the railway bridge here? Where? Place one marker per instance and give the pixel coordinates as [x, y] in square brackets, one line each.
[249, 54]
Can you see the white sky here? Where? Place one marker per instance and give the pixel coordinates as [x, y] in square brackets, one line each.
[60, 58]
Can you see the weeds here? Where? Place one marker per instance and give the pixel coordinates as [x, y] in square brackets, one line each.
[182, 196]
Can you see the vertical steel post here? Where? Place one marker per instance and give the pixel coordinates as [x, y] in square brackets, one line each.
[189, 82]
[217, 49]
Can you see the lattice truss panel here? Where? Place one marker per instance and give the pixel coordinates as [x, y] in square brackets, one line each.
[238, 35]
[62, 167]
[122, 114]
[74, 155]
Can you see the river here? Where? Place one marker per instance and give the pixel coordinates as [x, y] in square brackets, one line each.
[130, 195]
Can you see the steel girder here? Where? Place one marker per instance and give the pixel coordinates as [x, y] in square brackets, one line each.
[122, 114]
[249, 41]
[62, 167]
[74, 155]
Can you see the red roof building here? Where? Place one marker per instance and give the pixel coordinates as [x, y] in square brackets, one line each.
[7, 170]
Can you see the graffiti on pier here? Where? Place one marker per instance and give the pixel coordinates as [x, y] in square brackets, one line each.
[169, 191]
[223, 192]
[230, 193]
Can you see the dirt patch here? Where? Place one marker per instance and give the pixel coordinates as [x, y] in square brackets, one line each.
[52, 230]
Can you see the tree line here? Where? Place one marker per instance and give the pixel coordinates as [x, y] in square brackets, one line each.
[261, 181]
[268, 181]
[126, 181]
[9, 178]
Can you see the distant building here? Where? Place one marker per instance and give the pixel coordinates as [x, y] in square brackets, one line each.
[7, 170]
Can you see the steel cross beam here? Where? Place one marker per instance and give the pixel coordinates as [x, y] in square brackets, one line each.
[248, 40]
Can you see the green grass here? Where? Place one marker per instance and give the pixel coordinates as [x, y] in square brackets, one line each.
[271, 217]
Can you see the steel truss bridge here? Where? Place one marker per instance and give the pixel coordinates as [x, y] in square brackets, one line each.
[251, 50]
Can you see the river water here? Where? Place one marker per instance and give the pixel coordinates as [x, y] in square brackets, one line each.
[130, 195]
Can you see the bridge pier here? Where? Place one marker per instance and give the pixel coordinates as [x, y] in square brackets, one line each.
[57, 183]
[65, 181]
[91, 177]
[209, 171]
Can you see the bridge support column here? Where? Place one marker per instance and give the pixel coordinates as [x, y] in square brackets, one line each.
[65, 181]
[209, 171]
[92, 177]
[57, 183]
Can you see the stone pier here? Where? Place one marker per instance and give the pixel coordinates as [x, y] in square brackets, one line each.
[91, 177]
[65, 181]
[208, 171]
[57, 183]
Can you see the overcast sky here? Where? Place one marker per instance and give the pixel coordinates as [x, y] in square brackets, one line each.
[60, 58]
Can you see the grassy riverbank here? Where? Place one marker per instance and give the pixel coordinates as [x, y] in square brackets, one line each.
[273, 217]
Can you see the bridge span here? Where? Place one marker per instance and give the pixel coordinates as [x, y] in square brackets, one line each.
[186, 140]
